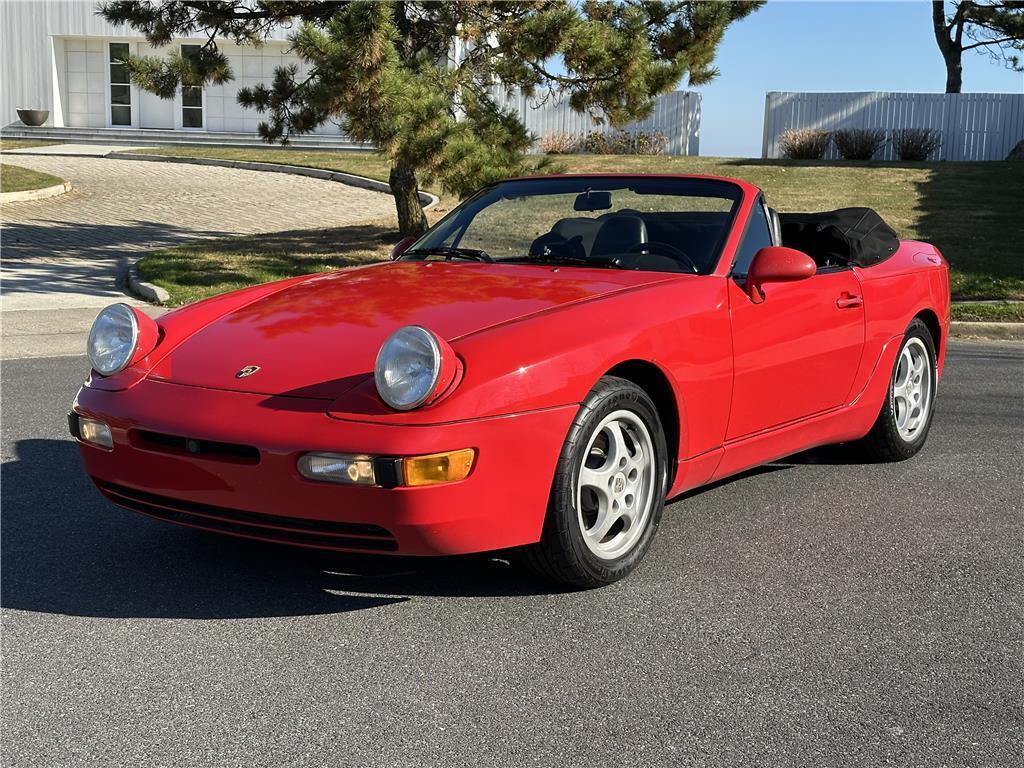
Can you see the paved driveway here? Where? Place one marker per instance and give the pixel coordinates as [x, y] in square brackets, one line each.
[815, 613]
[66, 254]
[64, 251]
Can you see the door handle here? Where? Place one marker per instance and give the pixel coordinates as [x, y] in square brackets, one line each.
[849, 300]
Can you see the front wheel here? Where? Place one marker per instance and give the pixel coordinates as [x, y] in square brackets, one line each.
[902, 426]
[609, 489]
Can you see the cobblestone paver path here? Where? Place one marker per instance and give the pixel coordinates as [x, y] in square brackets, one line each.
[65, 251]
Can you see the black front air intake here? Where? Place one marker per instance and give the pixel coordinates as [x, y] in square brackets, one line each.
[190, 446]
[327, 534]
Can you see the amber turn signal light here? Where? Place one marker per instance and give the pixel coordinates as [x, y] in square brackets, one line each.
[446, 467]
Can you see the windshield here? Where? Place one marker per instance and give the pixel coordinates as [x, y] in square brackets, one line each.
[653, 224]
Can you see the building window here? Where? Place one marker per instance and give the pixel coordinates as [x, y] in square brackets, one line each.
[120, 86]
[191, 96]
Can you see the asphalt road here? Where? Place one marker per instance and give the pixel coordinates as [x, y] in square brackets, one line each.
[818, 613]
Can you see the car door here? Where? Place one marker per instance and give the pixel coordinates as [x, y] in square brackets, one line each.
[796, 353]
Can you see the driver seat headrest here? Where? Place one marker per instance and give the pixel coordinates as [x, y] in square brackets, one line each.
[619, 233]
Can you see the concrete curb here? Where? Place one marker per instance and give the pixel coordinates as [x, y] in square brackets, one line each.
[35, 194]
[964, 329]
[146, 291]
[426, 199]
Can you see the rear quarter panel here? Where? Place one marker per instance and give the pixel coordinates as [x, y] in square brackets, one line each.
[913, 280]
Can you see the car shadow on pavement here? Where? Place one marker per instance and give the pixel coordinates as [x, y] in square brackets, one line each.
[66, 550]
[826, 455]
[838, 454]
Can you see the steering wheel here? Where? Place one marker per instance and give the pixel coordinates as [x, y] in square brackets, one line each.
[666, 250]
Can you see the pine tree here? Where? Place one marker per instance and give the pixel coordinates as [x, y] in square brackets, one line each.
[994, 27]
[387, 73]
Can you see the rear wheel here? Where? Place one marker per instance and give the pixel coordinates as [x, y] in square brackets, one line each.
[609, 489]
[902, 426]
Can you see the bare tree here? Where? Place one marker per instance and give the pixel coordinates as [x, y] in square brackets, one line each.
[996, 28]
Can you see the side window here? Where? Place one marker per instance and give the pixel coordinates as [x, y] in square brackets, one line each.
[757, 236]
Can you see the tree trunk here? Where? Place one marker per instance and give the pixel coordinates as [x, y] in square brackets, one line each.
[950, 48]
[411, 219]
[954, 75]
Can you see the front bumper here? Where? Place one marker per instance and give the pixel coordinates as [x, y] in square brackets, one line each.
[259, 493]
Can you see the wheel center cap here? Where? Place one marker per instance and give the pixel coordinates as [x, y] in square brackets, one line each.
[618, 484]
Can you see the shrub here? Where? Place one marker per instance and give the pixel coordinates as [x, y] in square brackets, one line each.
[559, 144]
[635, 143]
[649, 143]
[601, 143]
[916, 143]
[804, 143]
[859, 143]
[595, 143]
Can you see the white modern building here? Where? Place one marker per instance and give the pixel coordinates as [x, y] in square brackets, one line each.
[59, 55]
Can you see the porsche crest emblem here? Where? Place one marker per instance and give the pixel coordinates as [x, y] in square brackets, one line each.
[249, 370]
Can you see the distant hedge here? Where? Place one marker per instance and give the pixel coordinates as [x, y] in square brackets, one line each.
[611, 143]
[804, 143]
[911, 144]
[859, 143]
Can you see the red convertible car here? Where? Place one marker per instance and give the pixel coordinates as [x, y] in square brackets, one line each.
[537, 372]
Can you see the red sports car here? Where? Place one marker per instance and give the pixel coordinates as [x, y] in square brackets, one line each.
[539, 371]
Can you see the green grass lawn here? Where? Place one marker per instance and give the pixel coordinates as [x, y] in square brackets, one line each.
[192, 272]
[13, 178]
[369, 164]
[971, 211]
[1003, 312]
[25, 143]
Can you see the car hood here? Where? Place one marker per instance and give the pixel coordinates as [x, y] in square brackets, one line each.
[319, 338]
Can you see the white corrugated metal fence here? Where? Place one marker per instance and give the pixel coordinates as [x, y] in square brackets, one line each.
[676, 114]
[974, 126]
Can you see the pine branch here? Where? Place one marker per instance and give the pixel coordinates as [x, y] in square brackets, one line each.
[1001, 41]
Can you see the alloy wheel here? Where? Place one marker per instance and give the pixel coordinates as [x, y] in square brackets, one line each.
[616, 488]
[912, 389]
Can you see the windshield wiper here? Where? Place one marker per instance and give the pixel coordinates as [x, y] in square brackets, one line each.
[451, 253]
[554, 258]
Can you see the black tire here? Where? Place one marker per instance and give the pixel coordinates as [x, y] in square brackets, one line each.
[562, 555]
[884, 442]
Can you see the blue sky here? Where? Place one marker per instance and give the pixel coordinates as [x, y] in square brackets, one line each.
[827, 46]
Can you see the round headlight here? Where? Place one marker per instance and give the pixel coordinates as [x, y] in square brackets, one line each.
[113, 339]
[408, 366]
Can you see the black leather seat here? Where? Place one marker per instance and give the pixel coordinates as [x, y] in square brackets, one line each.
[619, 233]
[571, 237]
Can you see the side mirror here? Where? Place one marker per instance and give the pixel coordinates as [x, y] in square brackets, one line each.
[402, 246]
[776, 264]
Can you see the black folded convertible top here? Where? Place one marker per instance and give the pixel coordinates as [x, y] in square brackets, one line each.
[849, 235]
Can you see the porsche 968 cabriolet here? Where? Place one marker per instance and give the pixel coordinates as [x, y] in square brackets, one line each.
[536, 373]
